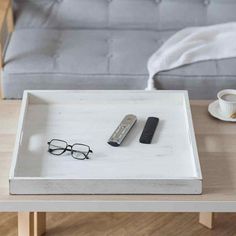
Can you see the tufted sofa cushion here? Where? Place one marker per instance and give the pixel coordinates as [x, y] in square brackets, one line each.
[202, 80]
[102, 59]
[122, 14]
[78, 59]
[82, 51]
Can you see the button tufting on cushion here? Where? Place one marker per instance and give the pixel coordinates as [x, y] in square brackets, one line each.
[206, 2]
[158, 1]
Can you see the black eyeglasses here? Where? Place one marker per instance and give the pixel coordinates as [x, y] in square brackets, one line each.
[78, 151]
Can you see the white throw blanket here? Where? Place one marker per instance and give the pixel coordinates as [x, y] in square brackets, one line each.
[193, 45]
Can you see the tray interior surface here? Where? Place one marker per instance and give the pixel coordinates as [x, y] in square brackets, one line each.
[91, 119]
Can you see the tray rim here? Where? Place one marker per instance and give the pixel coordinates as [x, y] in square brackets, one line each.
[23, 111]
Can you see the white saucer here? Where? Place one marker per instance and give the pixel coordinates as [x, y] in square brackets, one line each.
[214, 110]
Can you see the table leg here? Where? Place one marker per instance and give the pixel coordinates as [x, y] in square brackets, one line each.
[25, 223]
[206, 219]
[39, 223]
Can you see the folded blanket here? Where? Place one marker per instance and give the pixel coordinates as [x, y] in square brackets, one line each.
[193, 45]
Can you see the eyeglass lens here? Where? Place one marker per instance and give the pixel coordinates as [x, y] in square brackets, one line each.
[57, 147]
[80, 151]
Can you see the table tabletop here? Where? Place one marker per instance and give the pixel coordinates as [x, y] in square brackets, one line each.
[217, 153]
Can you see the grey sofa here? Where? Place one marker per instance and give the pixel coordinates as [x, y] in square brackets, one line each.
[105, 44]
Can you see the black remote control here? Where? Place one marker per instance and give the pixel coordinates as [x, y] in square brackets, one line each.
[149, 130]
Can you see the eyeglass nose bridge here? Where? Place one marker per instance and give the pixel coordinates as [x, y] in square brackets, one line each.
[69, 148]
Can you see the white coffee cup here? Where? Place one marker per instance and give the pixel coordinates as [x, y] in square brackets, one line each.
[227, 101]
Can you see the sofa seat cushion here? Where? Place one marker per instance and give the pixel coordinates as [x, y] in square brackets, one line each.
[82, 51]
[199, 86]
[102, 59]
[78, 59]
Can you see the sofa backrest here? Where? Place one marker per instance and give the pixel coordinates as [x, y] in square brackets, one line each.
[122, 14]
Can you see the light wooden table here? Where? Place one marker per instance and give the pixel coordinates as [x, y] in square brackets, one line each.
[217, 151]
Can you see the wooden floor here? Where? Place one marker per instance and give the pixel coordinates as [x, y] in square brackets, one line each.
[125, 224]
[105, 224]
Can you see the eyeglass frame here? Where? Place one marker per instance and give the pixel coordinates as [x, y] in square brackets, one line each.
[69, 148]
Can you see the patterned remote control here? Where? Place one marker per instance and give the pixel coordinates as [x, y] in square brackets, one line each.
[122, 130]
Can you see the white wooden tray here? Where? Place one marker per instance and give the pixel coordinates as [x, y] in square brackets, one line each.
[170, 165]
